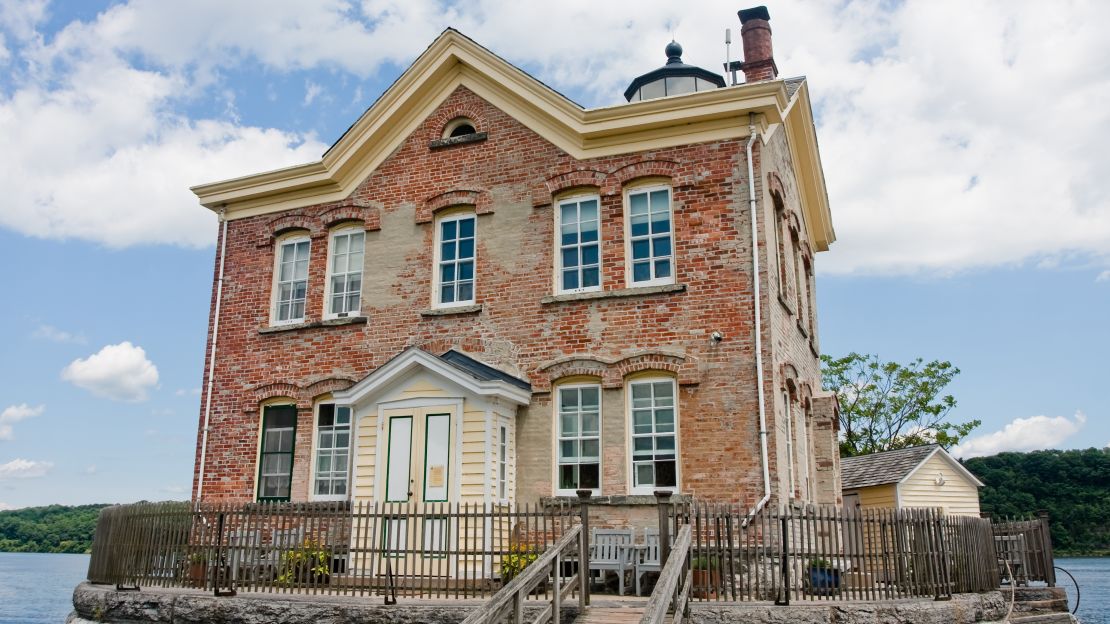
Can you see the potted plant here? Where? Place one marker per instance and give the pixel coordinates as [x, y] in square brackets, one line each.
[196, 568]
[520, 556]
[824, 578]
[707, 575]
[307, 563]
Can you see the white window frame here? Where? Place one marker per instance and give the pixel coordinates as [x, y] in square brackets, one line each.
[334, 234]
[557, 437]
[629, 260]
[279, 246]
[630, 444]
[558, 240]
[458, 215]
[790, 457]
[316, 449]
[503, 462]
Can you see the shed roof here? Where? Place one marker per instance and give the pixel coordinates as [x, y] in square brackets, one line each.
[895, 466]
[882, 468]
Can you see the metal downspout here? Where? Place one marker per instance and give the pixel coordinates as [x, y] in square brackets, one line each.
[212, 357]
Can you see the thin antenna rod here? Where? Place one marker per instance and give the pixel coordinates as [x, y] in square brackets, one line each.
[728, 54]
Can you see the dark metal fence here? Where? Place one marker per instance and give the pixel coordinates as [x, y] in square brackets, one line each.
[812, 553]
[435, 550]
[1024, 547]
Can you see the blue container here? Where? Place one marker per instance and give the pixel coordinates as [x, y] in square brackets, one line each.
[824, 581]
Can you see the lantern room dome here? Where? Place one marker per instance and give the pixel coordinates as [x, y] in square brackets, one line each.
[674, 78]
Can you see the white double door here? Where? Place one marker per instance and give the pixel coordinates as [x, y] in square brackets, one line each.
[418, 475]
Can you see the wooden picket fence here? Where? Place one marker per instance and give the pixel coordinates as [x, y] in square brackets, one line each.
[434, 550]
[1026, 545]
[812, 553]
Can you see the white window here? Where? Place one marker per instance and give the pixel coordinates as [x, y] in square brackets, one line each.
[503, 462]
[650, 240]
[345, 273]
[654, 435]
[579, 256]
[455, 260]
[291, 280]
[578, 411]
[789, 443]
[333, 450]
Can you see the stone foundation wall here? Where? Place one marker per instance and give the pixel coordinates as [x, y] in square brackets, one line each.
[99, 603]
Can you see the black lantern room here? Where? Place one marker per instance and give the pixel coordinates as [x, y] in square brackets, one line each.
[674, 78]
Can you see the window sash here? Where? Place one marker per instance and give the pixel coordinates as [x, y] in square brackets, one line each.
[275, 458]
[650, 237]
[292, 281]
[578, 438]
[333, 452]
[345, 273]
[579, 247]
[455, 265]
[503, 463]
[654, 428]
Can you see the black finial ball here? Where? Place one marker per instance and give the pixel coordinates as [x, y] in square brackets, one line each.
[673, 50]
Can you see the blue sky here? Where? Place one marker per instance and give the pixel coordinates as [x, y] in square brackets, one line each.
[965, 162]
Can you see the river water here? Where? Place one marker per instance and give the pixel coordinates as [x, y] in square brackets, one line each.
[37, 589]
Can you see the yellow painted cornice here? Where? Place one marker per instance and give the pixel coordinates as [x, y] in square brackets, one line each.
[454, 60]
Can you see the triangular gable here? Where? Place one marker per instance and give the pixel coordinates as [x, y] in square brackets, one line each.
[414, 359]
[454, 60]
[956, 465]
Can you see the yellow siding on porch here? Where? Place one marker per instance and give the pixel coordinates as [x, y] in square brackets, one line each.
[422, 389]
[878, 496]
[473, 478]
[366, 446]
[957, 496]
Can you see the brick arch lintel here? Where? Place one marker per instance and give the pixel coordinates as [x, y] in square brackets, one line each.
[455, 197]
[613, 371]
[302, 394]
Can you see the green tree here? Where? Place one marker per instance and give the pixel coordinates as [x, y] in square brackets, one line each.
[887, 405]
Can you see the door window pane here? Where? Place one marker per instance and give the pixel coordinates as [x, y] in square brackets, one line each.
[579, 441]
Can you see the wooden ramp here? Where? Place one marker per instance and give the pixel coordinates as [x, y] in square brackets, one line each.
[613, 612]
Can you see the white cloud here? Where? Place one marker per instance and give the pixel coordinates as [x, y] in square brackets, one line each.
[120, 372]
[1023, 434]
[53, 334]
[183, 391]
[15, 413]
[24, 469]
[90, 469]
[1103, 277]
[947, 144]
[312, 90]
[6, 507]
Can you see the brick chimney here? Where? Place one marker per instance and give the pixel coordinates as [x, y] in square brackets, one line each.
[755, 30]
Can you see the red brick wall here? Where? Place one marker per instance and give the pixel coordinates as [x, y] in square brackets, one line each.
[510, 177]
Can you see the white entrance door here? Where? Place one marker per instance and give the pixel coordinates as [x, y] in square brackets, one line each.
[418, 484]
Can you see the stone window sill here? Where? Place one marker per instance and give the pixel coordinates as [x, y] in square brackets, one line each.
[335, 322]
[450, 311]
[616, 500]
[802, 328]
[641, 291]
[786, 304]
[477, 137]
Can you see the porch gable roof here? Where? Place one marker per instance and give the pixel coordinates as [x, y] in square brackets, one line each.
[473, 375]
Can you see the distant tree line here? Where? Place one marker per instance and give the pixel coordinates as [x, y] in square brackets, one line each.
[51, 529]
[1073, 486]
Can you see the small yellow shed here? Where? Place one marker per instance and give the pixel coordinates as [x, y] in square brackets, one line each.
[919, 476]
